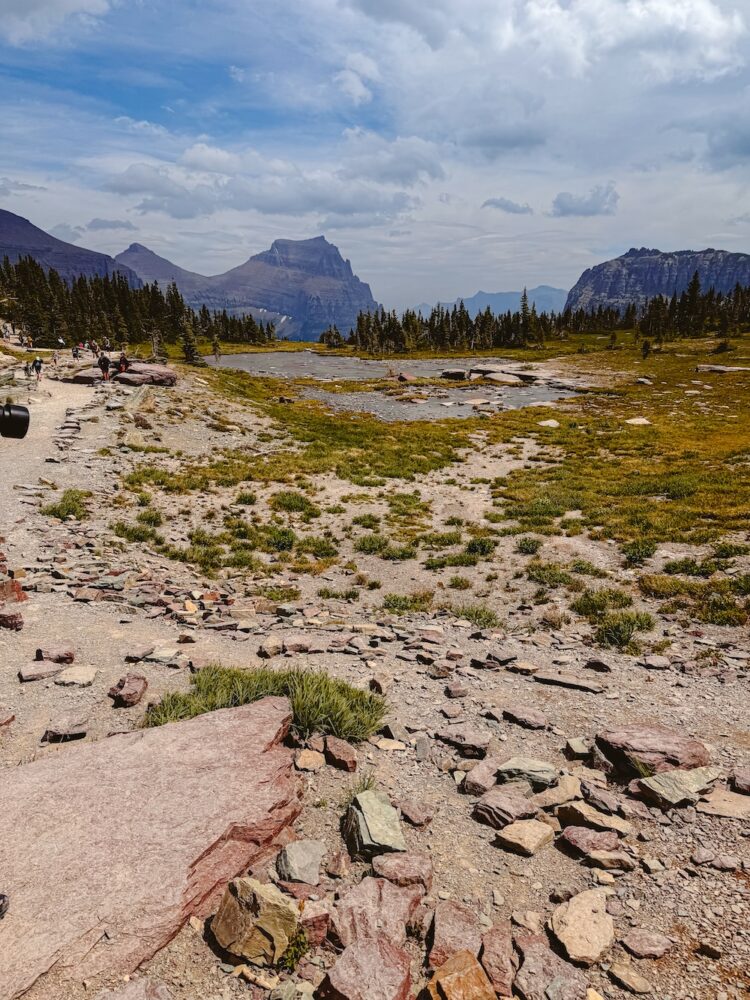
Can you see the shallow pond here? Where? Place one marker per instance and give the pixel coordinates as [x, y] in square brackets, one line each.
[439, 403]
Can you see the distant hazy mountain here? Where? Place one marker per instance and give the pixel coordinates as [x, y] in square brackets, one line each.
[19, 238]
[641, 274]
[305, 286]
[545, 297]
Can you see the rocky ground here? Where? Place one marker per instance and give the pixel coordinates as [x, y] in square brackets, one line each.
[559, 862]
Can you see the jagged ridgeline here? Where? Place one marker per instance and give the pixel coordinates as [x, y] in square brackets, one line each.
[694, 313]
[39, 303]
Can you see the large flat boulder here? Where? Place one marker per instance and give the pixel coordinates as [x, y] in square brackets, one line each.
[641, 749]
[130, 836]
[141, 373]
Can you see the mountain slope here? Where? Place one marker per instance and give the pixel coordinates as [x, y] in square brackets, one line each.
[306, 285]
[19, 238]
[545, 297]
[641, 274]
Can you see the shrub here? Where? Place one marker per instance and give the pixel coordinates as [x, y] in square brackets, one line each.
[585, 568]
[638, 551]
[726, 550]
[401, 604]
[457, 559]
[440, 539]
[548, 574]
[370, 521]
[371, 544]
[133, 532]
[592, 604]
[478, 614]
[618, 628]
[691, 567]
[528, 545]
[459, 583]
[70, 504]
[245, 498]
[276, 539]
[481, 546]
[293, 503]
[320, 704]
[397, 553]
[150, 517]
[328, 594]
[321, 548]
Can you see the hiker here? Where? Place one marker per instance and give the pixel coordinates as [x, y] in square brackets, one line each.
[37, 366]
[122, 362]
[104, 365]
[55, 358]
[76, 352]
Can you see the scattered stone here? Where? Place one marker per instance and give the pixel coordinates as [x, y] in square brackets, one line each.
[529, 718]
[548, 423]
[670, 789]
[39, 672]
[656, 662]
[57, 654]
[309, 760]
[503, 805]
[456, 690]
[538, 773]
[373, 969]
[584, 841]
[644, 943]
[561, 678]
[376, 908]
[405, 869]
[300, 861]
[78, 676]
[639, 422]
[708, 949]
[741, 781]
[339, 865]
[138, 653]
[271, 646]
[416, 813]
[66, 729]
[255, 922]
[461, 978]
[128, 691]
[372, 825]
[11, 620]
[625, 975]
[640, 750]
[567, 789]
[722, 802]
[6, 718]
[470, 741]
[597, 664]
[577, 748]
[582, 814]
[543, 975]
[527, 836]
[482, 777]
[497, 957]
[315, 921]
[583, 927]
[524, 667]
[341, 754]
[454, 928]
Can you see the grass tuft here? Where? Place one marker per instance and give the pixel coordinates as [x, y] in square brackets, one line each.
[70, 504]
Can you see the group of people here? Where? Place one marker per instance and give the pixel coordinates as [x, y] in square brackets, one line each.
[103, 361]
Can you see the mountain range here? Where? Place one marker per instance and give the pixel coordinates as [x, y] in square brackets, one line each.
[642, 274]
[544, 297]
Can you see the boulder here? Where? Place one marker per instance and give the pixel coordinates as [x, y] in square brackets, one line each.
[584, 840]
[454, 928]
[128, 691]
[741, 780]
[582, 814]
[482, 777]
[646, 944]
[641, 750]
[527, 836]
[255, 922]
[372, 825]
[497, 957]
[538, 773]
[461, 978]
[315, 921]
[543, 975]
[405, 869]
[371, 969]
[141, 373]
[722, 802]
[375, 909]
[583, 927]
[300, 861]
[670, 789]
[150, 826]
[503, 805]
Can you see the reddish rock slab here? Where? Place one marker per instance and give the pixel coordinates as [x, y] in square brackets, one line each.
[373, 969]
[454, 928]
[38, 672]
[543, 974]
[461, 978]
[315, 921]
[497, 958]
[133, 835]
[584, 840]
[128, 691]
[503, 805]
[646, 944]
[341, 754]
[405, 869]
[529, 718]
[375, 909]
[56, 654]
[641, 749]
[418, 814]
[741, 780]
[13, 621]
[482, 777]
[6, 718]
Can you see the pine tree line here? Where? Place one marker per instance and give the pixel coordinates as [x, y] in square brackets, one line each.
[41, 305]
[692, 314]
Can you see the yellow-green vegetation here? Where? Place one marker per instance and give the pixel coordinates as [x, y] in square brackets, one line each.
[320, 704]
[401, 604]
[70, 504]
[718, 601]
[478, 614]
[619, 628]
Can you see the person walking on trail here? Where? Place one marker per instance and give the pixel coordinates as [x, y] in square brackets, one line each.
[37, 366]
[123, 364]
[104, 365]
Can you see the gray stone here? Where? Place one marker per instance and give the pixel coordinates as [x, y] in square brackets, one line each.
[300, 861]
[538, 773]
[646, 944]
[670, 789]
[625, 975]
[372, 825]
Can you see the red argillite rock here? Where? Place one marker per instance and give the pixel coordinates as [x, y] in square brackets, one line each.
[375, 909]
[541, 968]
[373, 969]
[405, 869]
[128, 691]
[461, 978]
[56, 654]
[133, 835]
[497, 957]
[454, 928]
[640, 750]
[341, 754]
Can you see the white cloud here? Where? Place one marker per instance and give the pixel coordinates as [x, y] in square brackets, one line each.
[237, 74]
[352, 85]
[95, 225]
[24, 21]
[601, 200]
[509, 206]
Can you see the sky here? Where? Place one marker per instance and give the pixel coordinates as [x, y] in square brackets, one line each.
[445, 147]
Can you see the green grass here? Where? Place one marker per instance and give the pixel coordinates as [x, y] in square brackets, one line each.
[70, 504]
[592, 604]
[328, 594]
[282, 593]
[619, 628]
[293, 502]
[320, 704]
[371, 544]
[583, 567]
[715, 602]
[478, 614]
[482, 546]
[638, 551]
[369, 521]
[245, 498]
[528, 545]
[548, 574]
[459, 583]
[692, 567]
[401, 604]
[727, 550]
[151, 518]
[321, 548]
